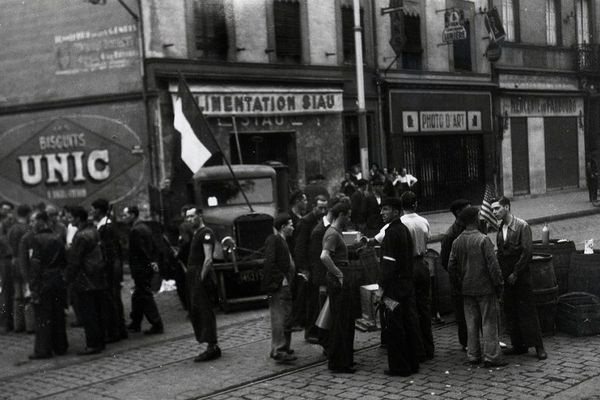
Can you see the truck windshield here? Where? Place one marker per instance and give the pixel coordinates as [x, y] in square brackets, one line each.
[227, 192]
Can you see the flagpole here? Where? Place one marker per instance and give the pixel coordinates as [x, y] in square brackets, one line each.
[237, 139]
[239, 185]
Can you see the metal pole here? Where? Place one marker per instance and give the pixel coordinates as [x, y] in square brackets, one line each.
[360, 87]
[237, 139]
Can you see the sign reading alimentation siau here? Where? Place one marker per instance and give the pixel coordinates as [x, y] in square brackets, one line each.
[71, 159]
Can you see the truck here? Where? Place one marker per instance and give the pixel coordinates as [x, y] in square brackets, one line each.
[240, 231]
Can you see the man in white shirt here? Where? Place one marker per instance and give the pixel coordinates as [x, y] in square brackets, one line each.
[419, 232]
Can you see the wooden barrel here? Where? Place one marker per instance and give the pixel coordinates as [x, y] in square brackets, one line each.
[584, 272]
[561, 251]
[545, 290]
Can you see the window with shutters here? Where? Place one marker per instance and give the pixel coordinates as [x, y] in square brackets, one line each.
[582, 14]
[348, 33]
[210, 29]
[288, 40]
[462, 51]
[412, 51]
[509, 12]
[551, 34]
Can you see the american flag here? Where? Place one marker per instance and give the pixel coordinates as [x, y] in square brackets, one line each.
[485, 212]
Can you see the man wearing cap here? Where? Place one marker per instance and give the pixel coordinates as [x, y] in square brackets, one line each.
[279, 271]
[475, 273]
[450, 236]
[201, 282]
[401, 329]
[419, 232]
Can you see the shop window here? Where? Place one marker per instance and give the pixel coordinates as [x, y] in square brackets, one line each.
[210, 29]
[582, 13]
[288, 40]
[348, 33]
[412, 52]
[510, 12]
[462, 51]
[552, 22]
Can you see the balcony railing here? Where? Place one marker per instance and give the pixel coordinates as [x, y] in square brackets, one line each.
[588, 58]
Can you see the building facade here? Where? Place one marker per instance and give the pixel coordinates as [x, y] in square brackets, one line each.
[86, 110]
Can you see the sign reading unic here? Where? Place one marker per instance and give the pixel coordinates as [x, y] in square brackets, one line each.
[64, 159]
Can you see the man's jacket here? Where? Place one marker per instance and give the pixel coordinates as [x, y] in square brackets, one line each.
[86, 269]
[278, 264]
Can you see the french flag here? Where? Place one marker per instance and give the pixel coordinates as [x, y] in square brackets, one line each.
[198, 144]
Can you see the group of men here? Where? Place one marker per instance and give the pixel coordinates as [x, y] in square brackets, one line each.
[78, 261]
[482, 281]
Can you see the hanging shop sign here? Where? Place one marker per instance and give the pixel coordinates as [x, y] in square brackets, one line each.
[493, 24]
[454, 26]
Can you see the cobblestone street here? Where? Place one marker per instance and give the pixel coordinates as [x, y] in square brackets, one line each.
[161, 367]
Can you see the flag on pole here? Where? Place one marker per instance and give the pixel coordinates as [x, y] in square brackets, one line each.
[485, 212]
[197, 142]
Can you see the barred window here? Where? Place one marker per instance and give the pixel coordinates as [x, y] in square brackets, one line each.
[210, 29]
[288, 40]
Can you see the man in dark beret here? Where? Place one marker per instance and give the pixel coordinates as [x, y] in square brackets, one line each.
[402, 334]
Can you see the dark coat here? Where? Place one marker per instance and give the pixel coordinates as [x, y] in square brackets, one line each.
[372, 213]
[303, 230]
[450, 236]
[397, 261]
[48, 257]
[277, 264]
[113, 253]
[356, 205]
[142, 252]
[86, 269]
[318, 271]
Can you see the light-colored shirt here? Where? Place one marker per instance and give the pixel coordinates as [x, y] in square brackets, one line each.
[71, 231]
[419, 231]
[408, 179]
[379, 237]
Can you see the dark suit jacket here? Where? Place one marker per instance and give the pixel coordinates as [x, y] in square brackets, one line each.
[397, 261]
[277, 264]
[86, 269]
[142, 252]
[112, 252]
[372, 213]
[318, 271]
[303, 230]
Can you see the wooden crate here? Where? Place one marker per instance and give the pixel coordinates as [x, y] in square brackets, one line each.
[579, 314]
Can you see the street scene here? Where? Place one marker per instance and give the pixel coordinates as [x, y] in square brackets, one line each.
[300, 199]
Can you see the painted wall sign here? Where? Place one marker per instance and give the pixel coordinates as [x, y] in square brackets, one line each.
[88, 51]
[441, 121]
[68, 159]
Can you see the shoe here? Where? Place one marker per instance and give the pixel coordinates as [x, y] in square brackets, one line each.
[494, 364]
[211, 353]
[39, 356]
[133, 328]
[156, 329]
[541, 353]
[437, 321]
[515, 350]
[464, 348]
[90, 350]
[472, 363]
[343, 370]
[124, 334]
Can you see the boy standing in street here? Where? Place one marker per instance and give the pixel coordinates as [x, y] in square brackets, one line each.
[475, 273]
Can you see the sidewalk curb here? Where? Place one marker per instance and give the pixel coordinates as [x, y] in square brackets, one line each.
[540, 220]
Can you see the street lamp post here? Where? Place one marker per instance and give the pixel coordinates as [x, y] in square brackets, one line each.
[360, 86]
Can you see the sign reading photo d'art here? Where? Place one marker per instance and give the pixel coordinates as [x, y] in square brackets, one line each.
[70, 160]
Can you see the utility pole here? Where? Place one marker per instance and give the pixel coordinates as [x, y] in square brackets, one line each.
[360, 88]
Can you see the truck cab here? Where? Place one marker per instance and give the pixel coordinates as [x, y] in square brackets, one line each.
[240, 232]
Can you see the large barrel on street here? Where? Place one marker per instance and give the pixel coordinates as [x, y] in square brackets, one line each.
[561, 251]
[545, 290]
[584, 273]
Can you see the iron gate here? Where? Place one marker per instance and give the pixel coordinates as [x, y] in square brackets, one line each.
[448, 167]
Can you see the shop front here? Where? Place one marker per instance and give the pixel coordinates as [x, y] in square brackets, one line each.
[300, 127]
[543, 143]
[444, 139]
[72, 156]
